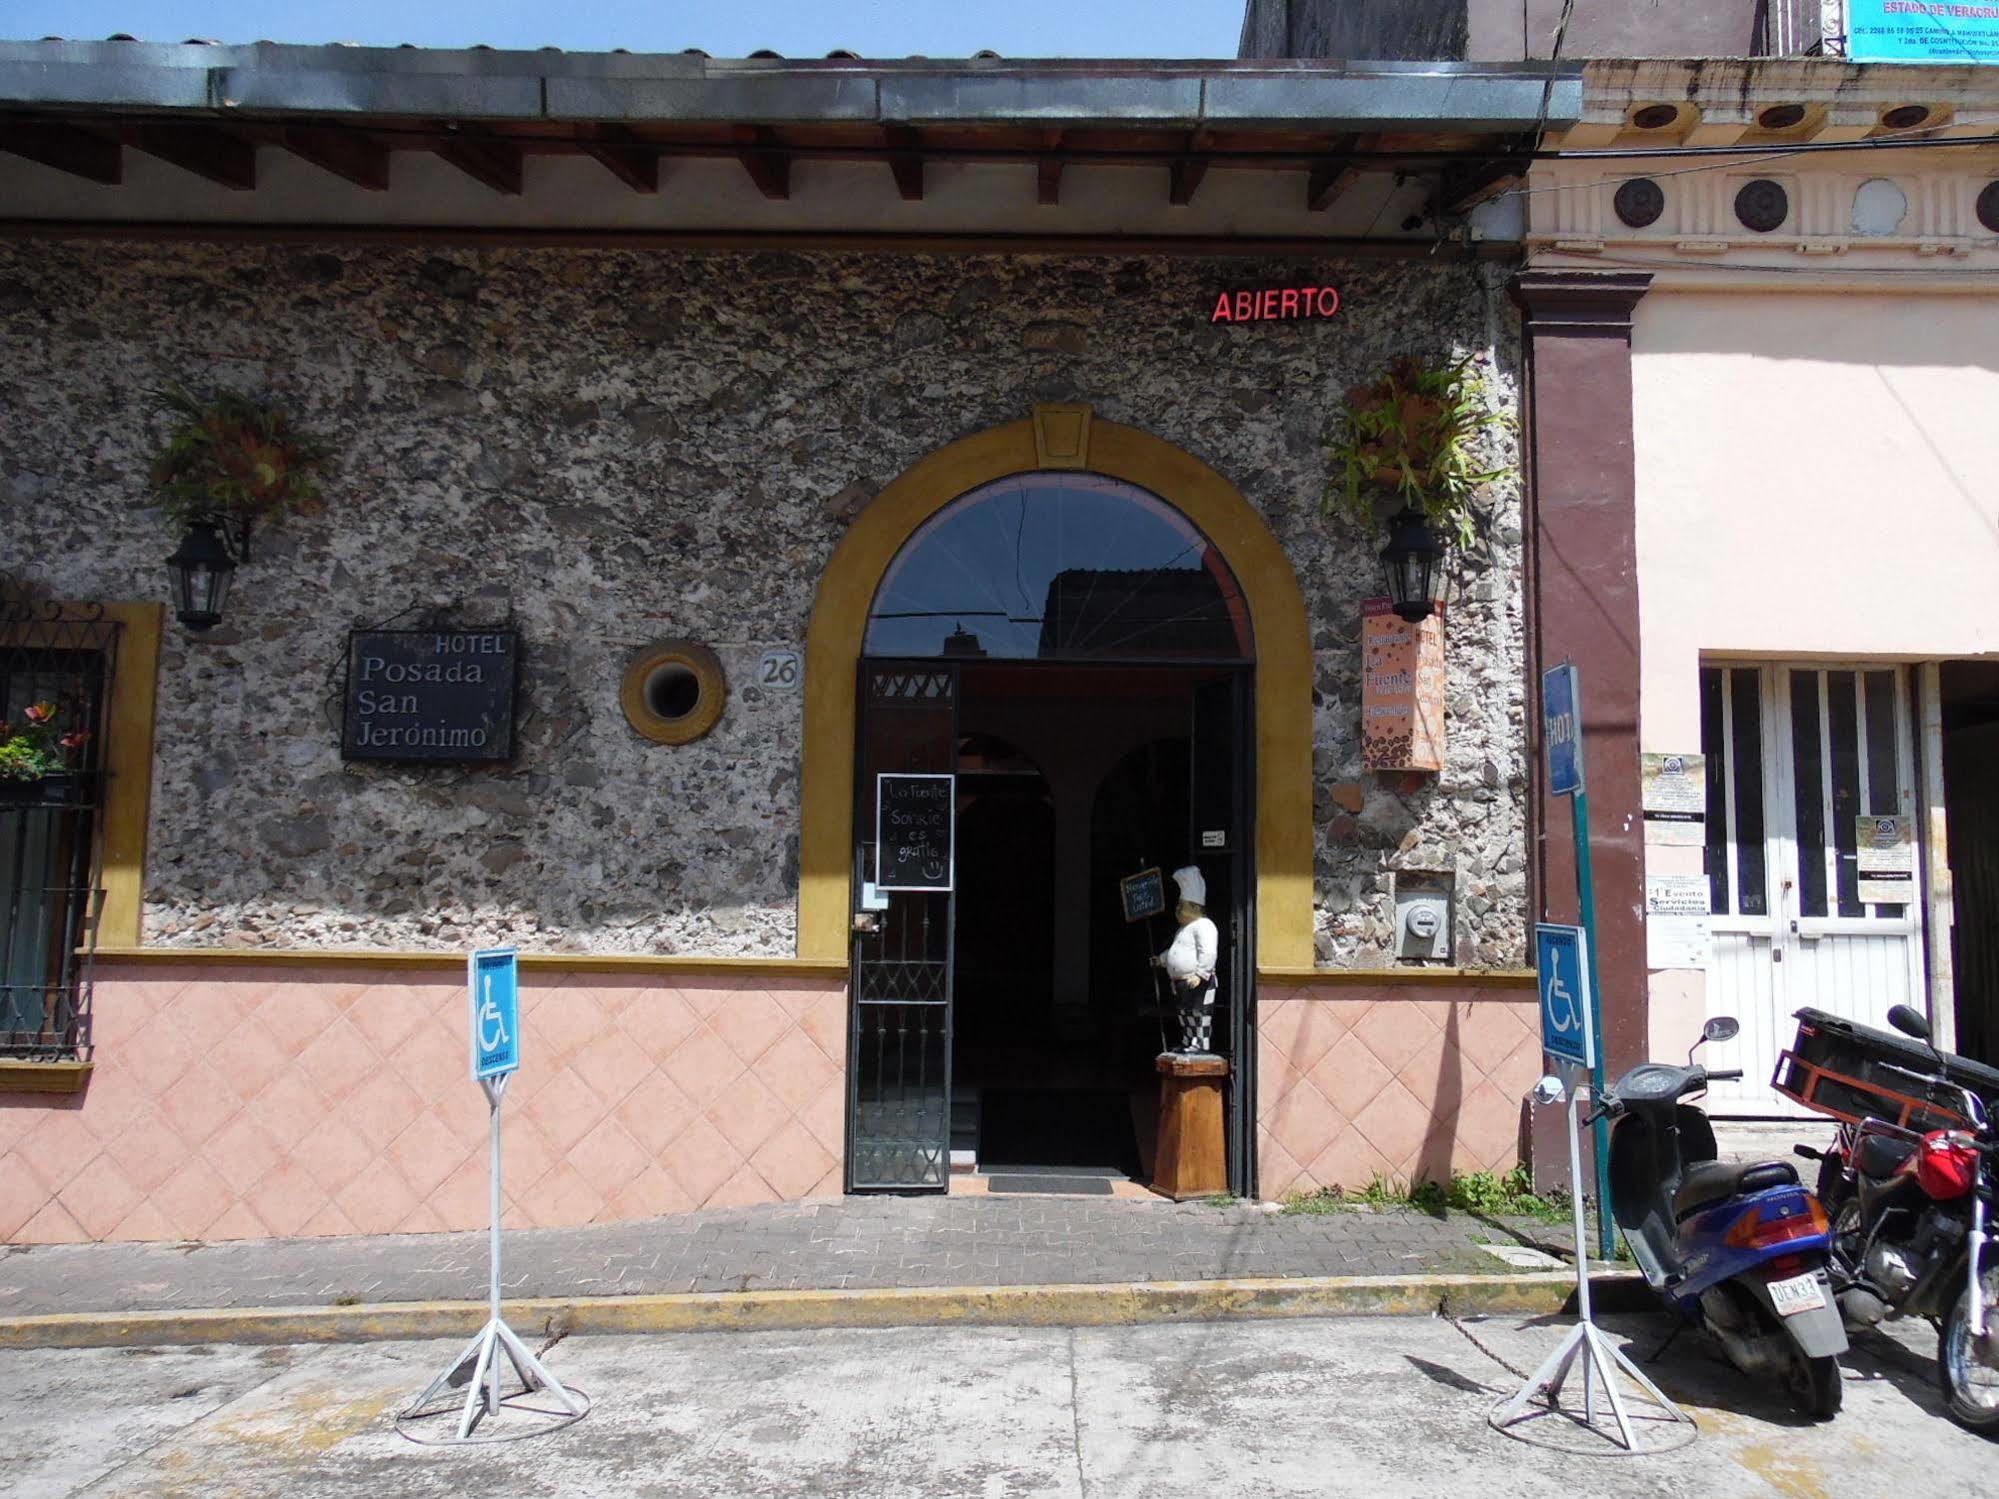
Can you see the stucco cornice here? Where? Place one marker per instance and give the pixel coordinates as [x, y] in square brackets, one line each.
[1579, 302]
[1725, 102]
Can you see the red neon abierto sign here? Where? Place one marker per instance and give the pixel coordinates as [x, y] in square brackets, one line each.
[1276, 304]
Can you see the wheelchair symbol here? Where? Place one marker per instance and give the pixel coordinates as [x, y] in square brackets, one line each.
[492, 1028]
[1561, 1003]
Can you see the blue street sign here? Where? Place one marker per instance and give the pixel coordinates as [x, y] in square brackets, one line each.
[1898, 31]
[1561, 728]
[494, 1000]
[1561, 960]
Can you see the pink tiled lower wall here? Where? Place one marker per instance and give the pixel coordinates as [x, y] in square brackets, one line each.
[1357, 1081]
[233, 1102]
[248, 1102]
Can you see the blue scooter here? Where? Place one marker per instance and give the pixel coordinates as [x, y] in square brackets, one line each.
[1739, 1248]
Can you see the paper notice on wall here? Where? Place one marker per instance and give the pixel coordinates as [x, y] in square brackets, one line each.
[1885, 858]
[1675, 895]
[1674, 797]
[1677, 941]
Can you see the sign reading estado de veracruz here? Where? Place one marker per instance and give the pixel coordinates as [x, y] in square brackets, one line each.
[430, 695]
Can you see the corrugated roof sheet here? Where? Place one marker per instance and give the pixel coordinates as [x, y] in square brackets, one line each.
[488, 83]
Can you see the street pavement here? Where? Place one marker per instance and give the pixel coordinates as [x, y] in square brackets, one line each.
[845, 1243]
[1377, 1407]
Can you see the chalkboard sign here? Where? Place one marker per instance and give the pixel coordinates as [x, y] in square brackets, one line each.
[1144, 894]
[441, 696]
[914, 823]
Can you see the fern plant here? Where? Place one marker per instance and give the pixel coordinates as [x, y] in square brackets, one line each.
[1414, 435]
[233, 458]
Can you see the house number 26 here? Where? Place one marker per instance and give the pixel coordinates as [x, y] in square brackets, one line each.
[779, 671]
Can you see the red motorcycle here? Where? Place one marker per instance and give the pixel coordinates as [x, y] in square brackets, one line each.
[1909, 1212]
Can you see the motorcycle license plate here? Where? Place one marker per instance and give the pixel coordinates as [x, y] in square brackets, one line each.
[1801, 1293]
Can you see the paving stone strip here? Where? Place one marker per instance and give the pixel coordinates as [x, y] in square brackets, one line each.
[851, 1243]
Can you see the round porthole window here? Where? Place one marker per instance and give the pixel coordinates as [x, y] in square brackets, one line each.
[1639, 202]
[1988, 206]
[1762, 205]
[673, 691]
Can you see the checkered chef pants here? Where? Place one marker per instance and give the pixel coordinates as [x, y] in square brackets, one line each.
[1197, 1022]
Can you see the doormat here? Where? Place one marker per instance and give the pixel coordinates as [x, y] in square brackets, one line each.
[1088, 1186]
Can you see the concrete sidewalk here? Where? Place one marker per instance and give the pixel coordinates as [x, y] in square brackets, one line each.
[850, 1243]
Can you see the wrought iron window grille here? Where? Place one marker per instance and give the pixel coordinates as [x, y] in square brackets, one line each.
[51, 829]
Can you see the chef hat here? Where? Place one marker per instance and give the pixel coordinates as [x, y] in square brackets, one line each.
[1192, 886]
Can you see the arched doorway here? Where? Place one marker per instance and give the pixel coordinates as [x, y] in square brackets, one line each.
[1073, 589]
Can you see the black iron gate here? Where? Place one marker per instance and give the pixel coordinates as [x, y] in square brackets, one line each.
[1222, 842]
[55, 671]
[899, 1031]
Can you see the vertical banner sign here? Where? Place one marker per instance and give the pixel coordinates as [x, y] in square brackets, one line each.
[1401, 689]
[494, 996]
[1562, 737]
[1561, 964]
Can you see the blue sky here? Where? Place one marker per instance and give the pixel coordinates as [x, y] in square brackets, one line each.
[724, 28]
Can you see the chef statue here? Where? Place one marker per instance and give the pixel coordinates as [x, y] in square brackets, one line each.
[1190, 961]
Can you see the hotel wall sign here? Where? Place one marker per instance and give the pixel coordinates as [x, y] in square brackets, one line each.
[1401, 689]
[1276, 304]
[439, 696]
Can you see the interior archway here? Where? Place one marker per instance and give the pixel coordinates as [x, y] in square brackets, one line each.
[1269, 588]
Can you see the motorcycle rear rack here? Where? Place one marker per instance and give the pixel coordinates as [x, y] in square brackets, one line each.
[1823, 1090]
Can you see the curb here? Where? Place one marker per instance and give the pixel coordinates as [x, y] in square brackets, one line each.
[1545, 1293]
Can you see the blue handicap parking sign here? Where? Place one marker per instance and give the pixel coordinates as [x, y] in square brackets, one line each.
[495, 1002]
[1561, 729]
[1561, 960]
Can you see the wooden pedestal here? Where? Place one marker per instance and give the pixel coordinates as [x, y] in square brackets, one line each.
[1192, 1159]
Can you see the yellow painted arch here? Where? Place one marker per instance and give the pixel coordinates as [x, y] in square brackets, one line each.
[1277, 613]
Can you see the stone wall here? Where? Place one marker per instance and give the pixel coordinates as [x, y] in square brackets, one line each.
[608, 447]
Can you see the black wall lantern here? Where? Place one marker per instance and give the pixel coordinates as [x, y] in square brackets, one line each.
[200, 570]
[1410, 560]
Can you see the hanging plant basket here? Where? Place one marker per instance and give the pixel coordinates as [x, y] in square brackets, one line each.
[1414, 439]
[234, 459]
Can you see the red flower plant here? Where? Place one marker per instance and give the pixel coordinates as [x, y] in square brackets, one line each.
[38, 746]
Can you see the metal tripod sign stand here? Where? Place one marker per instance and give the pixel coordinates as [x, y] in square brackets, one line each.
[1569, 1036]
[493, 1001]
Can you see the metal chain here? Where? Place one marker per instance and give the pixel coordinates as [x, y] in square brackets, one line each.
[1473, 1339]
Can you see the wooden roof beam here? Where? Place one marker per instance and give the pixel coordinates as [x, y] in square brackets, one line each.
[1187, 172]
[1048, 181]
[1328, 183]
[495, 163]
[208, 151]
[1463, 190]
[906, 162]
[768, 167]
[81, 153]
[344, 153]
[628, 159]
[1331, 179]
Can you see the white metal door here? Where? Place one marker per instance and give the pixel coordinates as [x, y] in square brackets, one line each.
[1797, 755]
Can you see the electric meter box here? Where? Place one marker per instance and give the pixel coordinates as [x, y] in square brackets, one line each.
[1423, 917]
